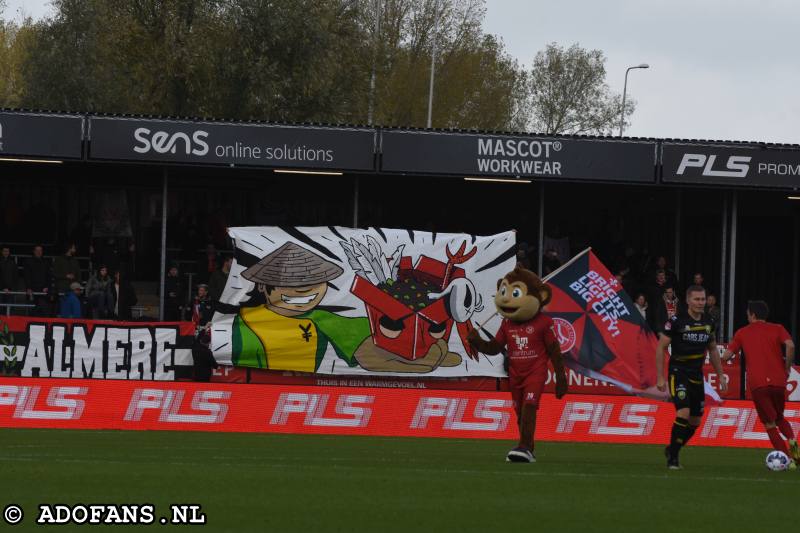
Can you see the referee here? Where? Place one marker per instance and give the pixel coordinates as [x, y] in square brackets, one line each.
[689, 335]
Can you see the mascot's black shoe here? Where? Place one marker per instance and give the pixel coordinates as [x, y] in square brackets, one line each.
[520, 455]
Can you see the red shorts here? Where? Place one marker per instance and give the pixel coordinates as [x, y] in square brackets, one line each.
[526, 390]
[769, 402]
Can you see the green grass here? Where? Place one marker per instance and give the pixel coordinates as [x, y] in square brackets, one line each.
[259, 482]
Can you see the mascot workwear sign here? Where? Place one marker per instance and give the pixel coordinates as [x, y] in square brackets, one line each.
[335, 300]
[522, 156]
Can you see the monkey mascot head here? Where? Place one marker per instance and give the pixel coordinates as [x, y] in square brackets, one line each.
[521, 295]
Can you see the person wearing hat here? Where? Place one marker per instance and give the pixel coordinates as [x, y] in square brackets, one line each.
[71, 302]
[290, 332]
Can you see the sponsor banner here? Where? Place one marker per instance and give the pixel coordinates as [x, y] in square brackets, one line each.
[64, 348]
[230, 374]
[377, 301]
[376, 381]
[748, 166]
[523, 156]
[41, 135]
[733, 375]
[218, 143]
[581, 384]
[91, 404]
[792, 382]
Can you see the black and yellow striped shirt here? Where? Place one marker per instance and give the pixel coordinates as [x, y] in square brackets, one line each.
[690, 339]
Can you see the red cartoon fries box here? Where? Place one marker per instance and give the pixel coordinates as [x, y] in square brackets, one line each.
[422, 327]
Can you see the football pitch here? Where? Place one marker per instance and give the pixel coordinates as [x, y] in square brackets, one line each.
[263, 482]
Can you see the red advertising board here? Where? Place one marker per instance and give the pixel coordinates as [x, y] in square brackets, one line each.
[95, 404]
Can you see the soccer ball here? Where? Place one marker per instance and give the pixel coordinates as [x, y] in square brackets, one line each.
[777, 461]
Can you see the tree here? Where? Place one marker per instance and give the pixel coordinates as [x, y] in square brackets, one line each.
[569, 94]
[477, 84]
[277, 60]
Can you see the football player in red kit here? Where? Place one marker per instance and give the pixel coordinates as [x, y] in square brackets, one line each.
[527, 335]
[763, 343]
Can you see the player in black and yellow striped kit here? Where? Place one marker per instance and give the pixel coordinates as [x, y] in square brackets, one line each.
[690, 335]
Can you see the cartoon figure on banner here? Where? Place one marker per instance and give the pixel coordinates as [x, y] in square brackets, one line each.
[530, 340]
[412, 307]
[289, 329]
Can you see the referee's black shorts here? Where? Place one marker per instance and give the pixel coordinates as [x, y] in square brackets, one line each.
[686, 389]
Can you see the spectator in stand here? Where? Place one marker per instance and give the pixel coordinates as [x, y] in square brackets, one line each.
[9, 276]
[523, 259]
[81, 235]
[219, 278]
[127, 260]
[39, 279]
[714, 312]
[97, 293]
[71, 302]
[551, 262]
[640, 303]
[66, 270]
[672, 278]
[202, 309]
[174, 295]
[207, 264]
[665, 309]
[698, 279]
[627, 281]
[107, 253]
[121, 297]
[656, 289]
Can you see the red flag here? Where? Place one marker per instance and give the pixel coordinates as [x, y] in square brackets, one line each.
[602, 334]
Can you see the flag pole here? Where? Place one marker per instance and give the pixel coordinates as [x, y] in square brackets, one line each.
[565, 265]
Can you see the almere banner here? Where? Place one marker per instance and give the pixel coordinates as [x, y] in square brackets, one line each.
[65, 348]
[334, 300]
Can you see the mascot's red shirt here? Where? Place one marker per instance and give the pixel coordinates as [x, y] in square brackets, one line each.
[526, 344]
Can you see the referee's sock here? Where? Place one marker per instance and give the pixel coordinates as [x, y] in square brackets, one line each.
[777, 441]
[681, 433]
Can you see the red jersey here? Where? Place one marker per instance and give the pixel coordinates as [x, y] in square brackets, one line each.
[762, 343]
[526, 344]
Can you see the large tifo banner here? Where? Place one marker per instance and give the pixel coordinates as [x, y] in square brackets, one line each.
[333, 300]
[93, 404]
[64, 348]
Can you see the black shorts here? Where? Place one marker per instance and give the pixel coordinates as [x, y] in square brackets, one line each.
[687, 390]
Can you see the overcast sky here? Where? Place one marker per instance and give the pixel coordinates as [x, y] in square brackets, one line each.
[719, 69]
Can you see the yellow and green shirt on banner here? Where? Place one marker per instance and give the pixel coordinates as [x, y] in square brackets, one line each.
[265, 339]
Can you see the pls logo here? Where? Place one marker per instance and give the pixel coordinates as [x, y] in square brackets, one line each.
[737, 165]
[162, 142]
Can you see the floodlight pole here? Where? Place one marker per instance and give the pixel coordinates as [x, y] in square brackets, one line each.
[624, 94]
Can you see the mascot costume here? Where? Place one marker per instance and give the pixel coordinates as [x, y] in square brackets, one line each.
[527, 336]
